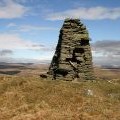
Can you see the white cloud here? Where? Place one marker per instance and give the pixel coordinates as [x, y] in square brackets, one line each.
[10, 9]
[11, 25]
[14, 41]
[11, 43]
[93, 13]
[26, 28]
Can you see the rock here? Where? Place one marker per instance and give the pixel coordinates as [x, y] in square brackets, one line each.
[73, 58]
[43, 75]
[89, 92]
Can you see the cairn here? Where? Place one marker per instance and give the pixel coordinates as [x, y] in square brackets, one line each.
[72, 59]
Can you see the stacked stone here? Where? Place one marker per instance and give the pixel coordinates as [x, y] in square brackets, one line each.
[72, 58]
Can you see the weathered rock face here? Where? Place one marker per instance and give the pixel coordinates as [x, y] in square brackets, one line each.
[72, 58]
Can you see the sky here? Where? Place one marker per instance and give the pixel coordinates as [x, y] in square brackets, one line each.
[29, 29]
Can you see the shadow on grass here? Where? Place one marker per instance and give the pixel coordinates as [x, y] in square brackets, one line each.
[11, 66]
[9, 72]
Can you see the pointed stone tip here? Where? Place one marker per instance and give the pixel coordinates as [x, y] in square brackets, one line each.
[72, 19]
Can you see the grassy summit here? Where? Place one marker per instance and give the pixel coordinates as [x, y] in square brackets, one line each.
[32, 98]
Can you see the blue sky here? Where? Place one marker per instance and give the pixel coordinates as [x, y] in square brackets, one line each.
[29, 29]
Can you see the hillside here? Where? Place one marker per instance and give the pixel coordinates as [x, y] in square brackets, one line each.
[33, 98]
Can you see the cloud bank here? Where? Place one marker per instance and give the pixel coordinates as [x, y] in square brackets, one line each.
[5, 52]
[28, 28]
[10, 9]
[106, 53]
[14, 41]
[92, 13]
[10, 43]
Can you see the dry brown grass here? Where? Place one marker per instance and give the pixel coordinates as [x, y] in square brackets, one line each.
[107, 74]
[31, 98]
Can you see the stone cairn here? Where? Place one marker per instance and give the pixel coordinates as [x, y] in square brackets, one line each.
[72, 59]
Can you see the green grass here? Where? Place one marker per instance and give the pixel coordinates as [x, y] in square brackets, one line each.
[25, 98]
